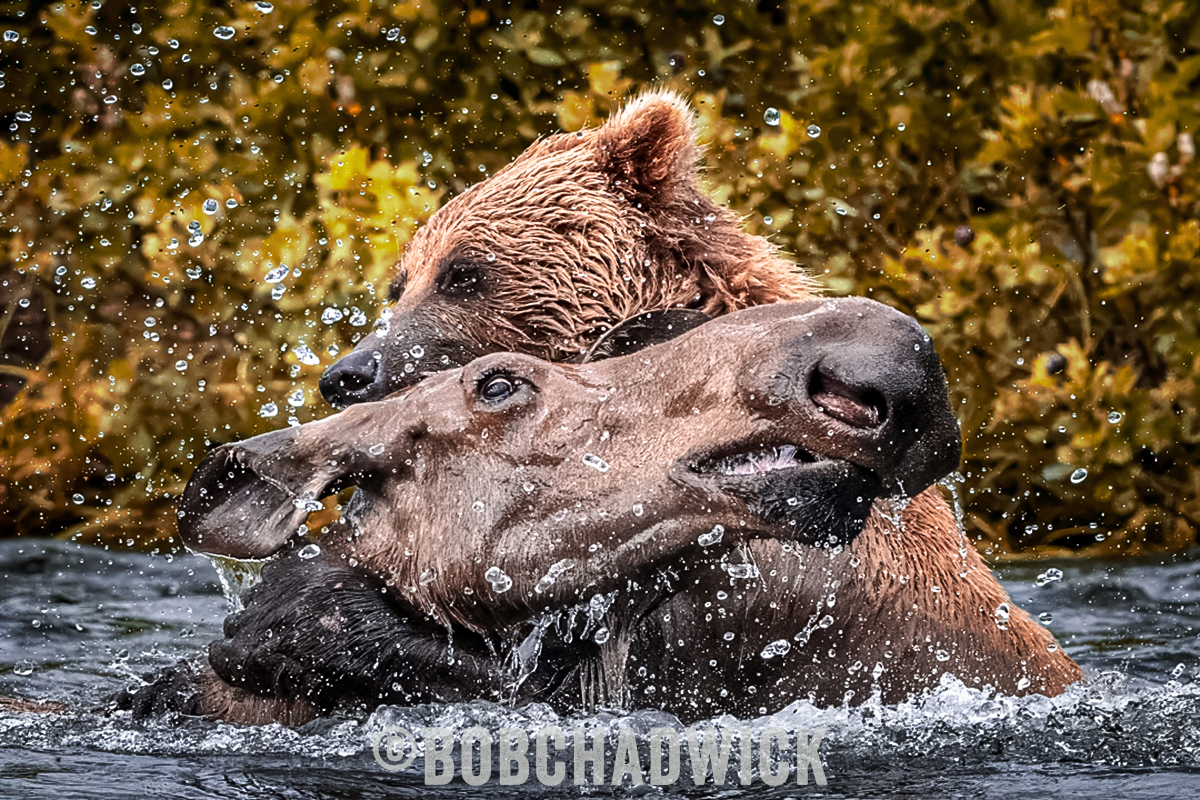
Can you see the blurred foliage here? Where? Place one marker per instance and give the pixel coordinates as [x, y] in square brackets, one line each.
[210, 197]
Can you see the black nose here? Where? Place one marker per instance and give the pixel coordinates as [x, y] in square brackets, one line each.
[872, 387]
[350, 380]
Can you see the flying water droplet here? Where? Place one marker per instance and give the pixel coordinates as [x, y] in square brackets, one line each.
[277, 274]
[712, 537]
[772, 116]
[137, 70]
[901, 127]
[1001, 616]
[498, 579]
[305, 355]
[742, 570]
[638, 510]
[1045, 618]
[181, 365]
[168, 84]
[268, 410]
[23, 668]
[601, 636]
[309, 551]
[12, 36]
[24, 116]
[1114, 417]
[211, 207]
[596, 462]
[358, 318]
[88, 283]
[1049, 576]
[309, 504]
[941, 655]
[264, 6]
[779, 647]
[551, 576]
[296, 398]
[77, 499]
[331, 315]
[718, 20]
[224, 32]
[813, 131]
[1079, 475]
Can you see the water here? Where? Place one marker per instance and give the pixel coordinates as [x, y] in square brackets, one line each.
[89, 620]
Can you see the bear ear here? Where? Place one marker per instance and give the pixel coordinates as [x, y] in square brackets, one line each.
[648, 148]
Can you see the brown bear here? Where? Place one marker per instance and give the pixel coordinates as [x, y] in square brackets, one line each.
[569, 253]
[581, 233]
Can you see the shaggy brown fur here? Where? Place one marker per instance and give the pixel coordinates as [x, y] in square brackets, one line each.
[578, 234]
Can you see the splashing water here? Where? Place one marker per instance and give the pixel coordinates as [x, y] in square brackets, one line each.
[1130, 731]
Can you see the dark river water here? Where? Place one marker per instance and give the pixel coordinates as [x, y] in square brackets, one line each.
[77, 623]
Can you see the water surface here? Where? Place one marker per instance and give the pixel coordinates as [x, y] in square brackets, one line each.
[78, 623]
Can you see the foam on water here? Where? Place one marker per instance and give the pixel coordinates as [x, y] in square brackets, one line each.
[102, 618]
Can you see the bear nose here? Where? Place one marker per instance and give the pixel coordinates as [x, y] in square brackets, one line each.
[349, 380]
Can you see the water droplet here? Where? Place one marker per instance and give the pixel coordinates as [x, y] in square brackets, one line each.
[88, 283]
[23, 667]
[309, 551]
[712, 537]
[1001, 616]
[498, 579]
[168, 84]
[779, 647]
[277, 274]
[224, 32]
[813, 131]
[308, 503]
[358, 318]
[602, 635]
[477, 506]
[771, 116]
[1045, 618]
[427, 577]
[901, 126]
[231, 203]
[638, 510]
[826, 621]
[110, 100]
[181, 365]
[1114, 417]
[77, 499]
[841, 210]
[196, 239]
[12, 36]
[742, 570]
[417, 351]
[331, 315]
[296, 398]
[305, 355]
[1049, 576]
[767, 220]
[264, 6]
[596, 462]
[941, 655]
[1079, 475]
[728, 636]
[137, 70]
[376, 449]
[268, 410]
[211, 207]
[24, 116]
[90, 30]
[718, 20]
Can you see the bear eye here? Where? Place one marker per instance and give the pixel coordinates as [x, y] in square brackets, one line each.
[461, 279]
[498, 386]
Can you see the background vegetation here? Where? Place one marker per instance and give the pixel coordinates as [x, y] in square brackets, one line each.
[207, 199]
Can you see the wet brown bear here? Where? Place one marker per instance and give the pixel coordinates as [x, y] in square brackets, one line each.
[588, 230]
[519, 503]
[579, 234]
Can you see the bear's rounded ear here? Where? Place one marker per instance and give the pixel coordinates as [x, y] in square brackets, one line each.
[649, 147]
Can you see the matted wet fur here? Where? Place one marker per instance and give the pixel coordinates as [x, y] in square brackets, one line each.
[783, 425]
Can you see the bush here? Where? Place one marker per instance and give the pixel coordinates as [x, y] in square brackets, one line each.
[208, 197]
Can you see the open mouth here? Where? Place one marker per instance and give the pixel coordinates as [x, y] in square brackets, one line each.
[756, 461]
[800, 495]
